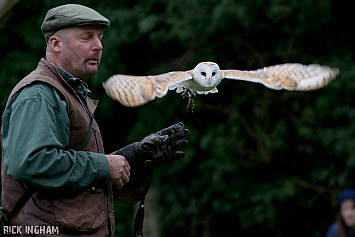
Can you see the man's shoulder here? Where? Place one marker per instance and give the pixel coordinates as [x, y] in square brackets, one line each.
[29, 80]
[36, 91]
[36, 88]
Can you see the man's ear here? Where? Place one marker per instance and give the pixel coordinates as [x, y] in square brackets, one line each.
[55, 42]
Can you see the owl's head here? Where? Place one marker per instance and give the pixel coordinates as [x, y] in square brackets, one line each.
[207, 74]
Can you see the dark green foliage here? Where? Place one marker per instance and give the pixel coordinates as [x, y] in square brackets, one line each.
[260, 162]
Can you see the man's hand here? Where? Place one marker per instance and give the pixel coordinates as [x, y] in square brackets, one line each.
[164, 145]
[119, 170]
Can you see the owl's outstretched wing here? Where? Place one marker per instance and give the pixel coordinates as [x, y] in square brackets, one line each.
[132, 91]
[297, 77]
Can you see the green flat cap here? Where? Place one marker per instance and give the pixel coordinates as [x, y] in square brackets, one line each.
[70, 15]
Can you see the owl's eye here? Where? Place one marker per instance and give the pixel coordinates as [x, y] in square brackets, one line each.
[203, 74]
[213, 73]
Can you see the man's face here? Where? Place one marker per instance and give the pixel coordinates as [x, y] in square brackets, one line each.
[80, 50]
[347, 211]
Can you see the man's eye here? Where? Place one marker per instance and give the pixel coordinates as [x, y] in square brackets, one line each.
[85, 37]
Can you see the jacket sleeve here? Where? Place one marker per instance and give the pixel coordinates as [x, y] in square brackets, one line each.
[35, 137]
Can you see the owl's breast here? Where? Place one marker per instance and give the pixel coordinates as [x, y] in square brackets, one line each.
[200, 86]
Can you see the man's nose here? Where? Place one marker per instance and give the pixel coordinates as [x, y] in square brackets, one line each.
[97, 44]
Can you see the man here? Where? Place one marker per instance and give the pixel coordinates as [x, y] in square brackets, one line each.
[54, 168]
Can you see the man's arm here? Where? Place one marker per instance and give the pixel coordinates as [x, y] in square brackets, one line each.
[35, 135]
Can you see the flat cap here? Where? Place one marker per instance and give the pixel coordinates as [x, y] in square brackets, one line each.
[70, 15]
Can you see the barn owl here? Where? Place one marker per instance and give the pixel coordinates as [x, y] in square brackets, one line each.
[132, 91]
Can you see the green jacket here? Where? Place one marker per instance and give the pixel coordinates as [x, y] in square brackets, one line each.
[43, 122]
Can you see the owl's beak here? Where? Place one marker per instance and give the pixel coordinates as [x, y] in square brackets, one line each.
[209, 80]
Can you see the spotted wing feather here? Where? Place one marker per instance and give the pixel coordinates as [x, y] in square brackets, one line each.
[297, 77]
[133, 91]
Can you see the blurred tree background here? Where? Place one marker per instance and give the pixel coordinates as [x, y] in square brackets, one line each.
[259, 161]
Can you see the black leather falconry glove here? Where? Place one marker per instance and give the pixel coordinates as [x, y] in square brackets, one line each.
[143, 156]
[164, 145]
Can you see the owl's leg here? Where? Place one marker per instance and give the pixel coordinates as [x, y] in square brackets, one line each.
[191, 102]
[190, 94]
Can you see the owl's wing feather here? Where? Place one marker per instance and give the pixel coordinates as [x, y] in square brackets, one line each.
[133, 91]
[289, 76]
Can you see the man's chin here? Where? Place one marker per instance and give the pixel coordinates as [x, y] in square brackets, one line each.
[92, 69]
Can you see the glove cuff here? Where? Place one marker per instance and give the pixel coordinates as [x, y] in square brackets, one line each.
[140, 178]
[135, 159]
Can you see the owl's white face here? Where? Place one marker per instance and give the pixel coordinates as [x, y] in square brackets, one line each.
[207, 75]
